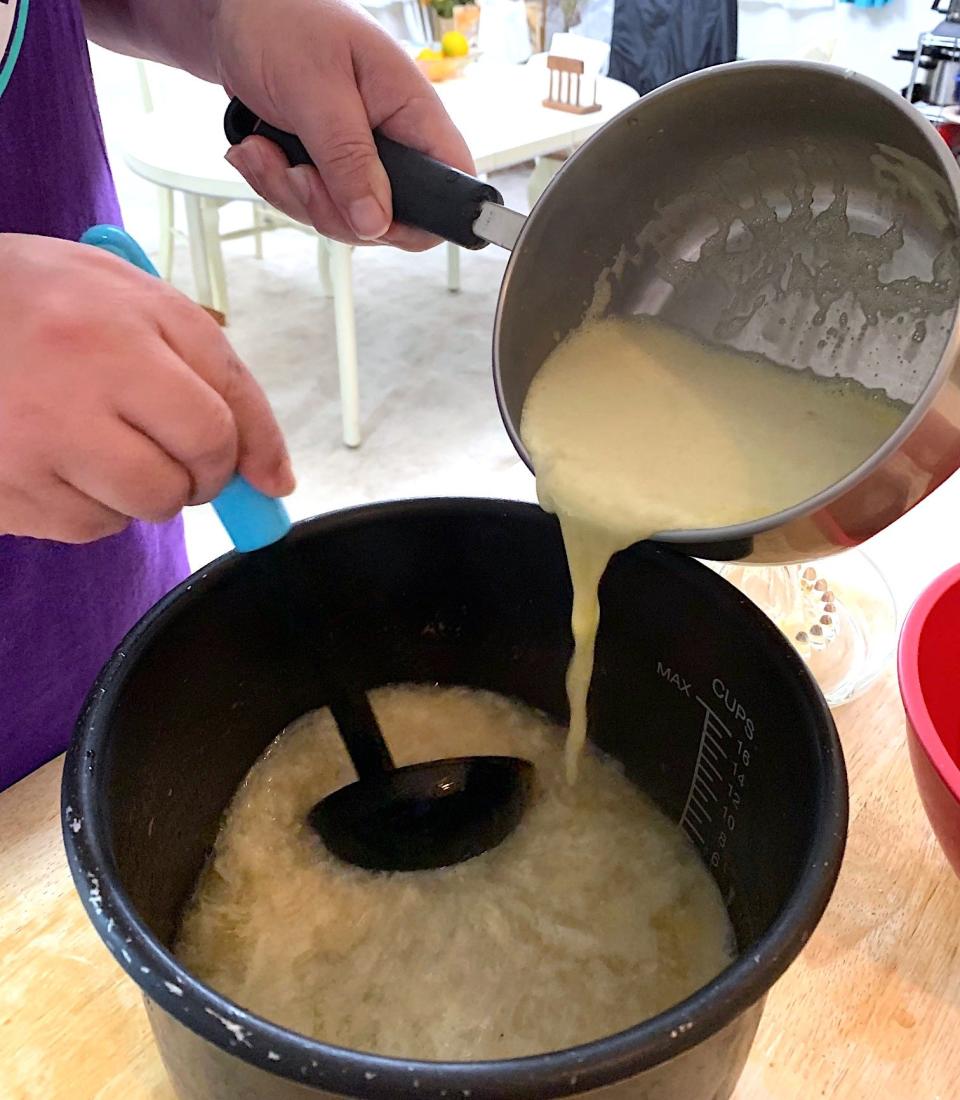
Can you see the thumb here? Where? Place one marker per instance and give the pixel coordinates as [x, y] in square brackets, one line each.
[339, 139]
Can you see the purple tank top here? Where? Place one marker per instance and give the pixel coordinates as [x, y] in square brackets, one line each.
[63, 609]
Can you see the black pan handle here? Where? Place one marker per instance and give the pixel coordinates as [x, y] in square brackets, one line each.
[426, 194]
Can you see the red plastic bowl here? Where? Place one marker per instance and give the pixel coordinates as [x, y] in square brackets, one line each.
[929, 669]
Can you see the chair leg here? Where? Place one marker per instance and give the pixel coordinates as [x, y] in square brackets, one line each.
[323, 265]
[198, 249]
[544, 169]
[341, 271]
[258, 234]
[211, 233]
[453, 268]
[165, 257]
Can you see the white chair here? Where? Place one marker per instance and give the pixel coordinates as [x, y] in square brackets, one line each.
[178, 146]
[160, 84]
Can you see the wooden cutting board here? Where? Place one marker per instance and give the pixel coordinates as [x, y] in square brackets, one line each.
[870, 1010]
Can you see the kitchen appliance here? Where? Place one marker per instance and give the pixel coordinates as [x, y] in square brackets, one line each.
[935, 59]
[699, 696]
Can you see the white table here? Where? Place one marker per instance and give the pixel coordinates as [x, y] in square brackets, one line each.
[499, 110]
[179, 146]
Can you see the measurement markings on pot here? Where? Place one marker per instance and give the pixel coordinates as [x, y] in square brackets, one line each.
[719, 778]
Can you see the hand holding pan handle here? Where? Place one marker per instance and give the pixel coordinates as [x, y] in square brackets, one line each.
[426, 194]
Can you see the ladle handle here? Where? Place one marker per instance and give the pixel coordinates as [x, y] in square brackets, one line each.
[360, 732]
[426, 194]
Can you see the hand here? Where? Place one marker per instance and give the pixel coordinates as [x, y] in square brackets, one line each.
[329, 73]
[119, 397]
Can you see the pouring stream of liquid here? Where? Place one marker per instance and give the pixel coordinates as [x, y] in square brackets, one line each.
[636, 429]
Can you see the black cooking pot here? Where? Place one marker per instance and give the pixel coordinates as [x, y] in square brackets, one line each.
[695, 691]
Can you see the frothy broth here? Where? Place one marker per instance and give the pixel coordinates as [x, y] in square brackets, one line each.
[595, 914]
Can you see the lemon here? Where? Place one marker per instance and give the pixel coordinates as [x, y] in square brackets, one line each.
[426, 54]
[454, 44]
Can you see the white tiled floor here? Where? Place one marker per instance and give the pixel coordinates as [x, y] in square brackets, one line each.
[430, 421]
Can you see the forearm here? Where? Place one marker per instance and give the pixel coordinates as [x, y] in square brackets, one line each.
[175, 32]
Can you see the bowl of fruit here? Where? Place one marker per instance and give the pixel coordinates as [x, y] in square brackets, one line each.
[446, 60]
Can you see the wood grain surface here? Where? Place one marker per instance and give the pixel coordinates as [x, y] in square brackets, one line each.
[870, 1010]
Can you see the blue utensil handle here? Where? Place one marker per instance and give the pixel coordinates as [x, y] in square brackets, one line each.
[251, 518]
[113, 239]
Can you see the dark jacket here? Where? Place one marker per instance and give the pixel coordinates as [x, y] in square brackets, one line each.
[654, 41]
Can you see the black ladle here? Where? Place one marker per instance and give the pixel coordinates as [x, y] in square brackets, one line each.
[395, 819]
[423, 815]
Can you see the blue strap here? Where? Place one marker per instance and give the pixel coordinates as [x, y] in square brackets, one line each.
[252, 519]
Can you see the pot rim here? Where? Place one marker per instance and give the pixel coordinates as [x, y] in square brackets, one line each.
[737, 533]
[911, 680]
[373, 1077]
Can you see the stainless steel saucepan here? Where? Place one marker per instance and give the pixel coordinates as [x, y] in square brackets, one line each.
[789, 209]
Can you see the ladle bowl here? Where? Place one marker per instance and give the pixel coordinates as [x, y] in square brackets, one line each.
[423, 816]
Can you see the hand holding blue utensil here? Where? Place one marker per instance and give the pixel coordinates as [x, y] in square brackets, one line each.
[251, 518]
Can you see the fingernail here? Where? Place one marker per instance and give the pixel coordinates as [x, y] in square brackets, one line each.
[287, 477]
[299, 178]
[246, 159]
[367, 218]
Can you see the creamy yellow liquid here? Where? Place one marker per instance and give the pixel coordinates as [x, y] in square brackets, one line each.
[635, 429]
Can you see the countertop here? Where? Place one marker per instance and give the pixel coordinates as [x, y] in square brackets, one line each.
[871, 1008]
